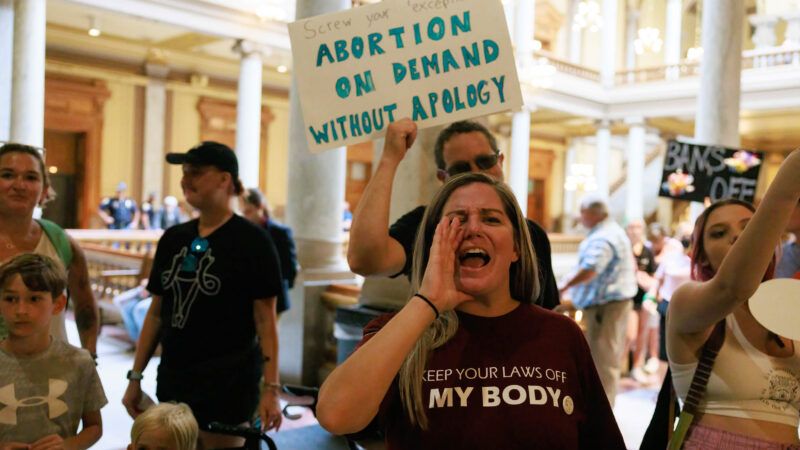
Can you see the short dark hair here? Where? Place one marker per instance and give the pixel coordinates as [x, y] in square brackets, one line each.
[463, 126]
[39, 273]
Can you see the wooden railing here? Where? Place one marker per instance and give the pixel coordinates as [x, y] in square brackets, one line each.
[117, 261]
[564, 243]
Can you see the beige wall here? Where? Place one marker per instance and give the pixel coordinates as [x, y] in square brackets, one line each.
[184, 135]
[278, 156]
[118, 155]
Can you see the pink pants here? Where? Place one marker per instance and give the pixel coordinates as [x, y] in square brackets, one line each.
[707, 438]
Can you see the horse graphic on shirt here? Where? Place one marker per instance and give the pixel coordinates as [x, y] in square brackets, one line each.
[196, 281]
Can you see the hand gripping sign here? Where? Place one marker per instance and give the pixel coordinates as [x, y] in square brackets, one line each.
[435, 61]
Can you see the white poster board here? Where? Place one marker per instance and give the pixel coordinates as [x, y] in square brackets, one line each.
[435, 61]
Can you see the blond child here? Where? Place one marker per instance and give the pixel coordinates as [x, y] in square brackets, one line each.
[168, 426]
[47, 387]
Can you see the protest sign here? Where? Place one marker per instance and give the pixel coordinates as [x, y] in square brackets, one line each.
[435, 61]
[694, 172]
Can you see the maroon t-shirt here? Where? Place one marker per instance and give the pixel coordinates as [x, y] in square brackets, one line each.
[524, 380]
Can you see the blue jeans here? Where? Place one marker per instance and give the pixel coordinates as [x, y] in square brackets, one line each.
[133, 309]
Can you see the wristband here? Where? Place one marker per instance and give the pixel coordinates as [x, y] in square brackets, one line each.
[134, 375]
[273, 386]
[425, 299]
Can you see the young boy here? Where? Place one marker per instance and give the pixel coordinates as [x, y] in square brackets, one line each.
[47, 387]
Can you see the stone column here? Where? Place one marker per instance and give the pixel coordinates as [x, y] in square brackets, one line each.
[672, 32]
[609, 60]
[27, 97]
[314, 212]
[521, 122]
[631, 30]
[717, 116]
[575, 34]
[155, 108]
[602, 156]
[248, 112]
[6, 65]
[764, 35]
[634, 204]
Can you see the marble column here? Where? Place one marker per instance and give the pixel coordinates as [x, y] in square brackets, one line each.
[717, 116]
[634, 201]
[521, 123]
[672, 32]
[631, 30]
[609, 49]
[6, 65]
[575, 34]
[248, 112]
[155, 114]
[602, 156]
[27, 97]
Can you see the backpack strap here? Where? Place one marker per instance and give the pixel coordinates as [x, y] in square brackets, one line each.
[697, 390]
[58, 237]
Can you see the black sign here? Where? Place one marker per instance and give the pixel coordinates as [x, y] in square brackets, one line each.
[694, 172]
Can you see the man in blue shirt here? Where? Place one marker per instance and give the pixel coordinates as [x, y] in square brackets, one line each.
[603, 288]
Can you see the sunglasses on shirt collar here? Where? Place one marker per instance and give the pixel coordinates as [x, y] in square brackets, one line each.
[483, 162]
[196, 249]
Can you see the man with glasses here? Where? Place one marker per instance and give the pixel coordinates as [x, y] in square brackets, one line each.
[377, 249]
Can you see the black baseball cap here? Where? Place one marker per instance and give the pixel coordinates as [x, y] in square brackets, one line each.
[208, 153]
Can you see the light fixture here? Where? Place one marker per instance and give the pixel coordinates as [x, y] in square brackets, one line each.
[94, 27]
[580, 178]
[282, 69]
[648, 40]
[52, 169]
[588, 16]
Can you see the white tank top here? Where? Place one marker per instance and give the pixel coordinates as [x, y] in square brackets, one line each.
[745, 382]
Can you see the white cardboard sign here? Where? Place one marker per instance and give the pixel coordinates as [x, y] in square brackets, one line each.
[435, 61]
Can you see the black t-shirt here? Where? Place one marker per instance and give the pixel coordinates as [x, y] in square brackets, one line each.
[645, 262]
[404, 231]
[207, 295]
[500, 383]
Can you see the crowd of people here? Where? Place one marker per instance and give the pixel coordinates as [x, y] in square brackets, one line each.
[480, 355]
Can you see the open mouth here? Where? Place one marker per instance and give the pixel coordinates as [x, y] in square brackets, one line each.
[474, 258]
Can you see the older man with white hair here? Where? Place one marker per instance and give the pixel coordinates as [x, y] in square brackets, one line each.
[603, 287]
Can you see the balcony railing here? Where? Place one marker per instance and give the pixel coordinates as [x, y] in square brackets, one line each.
[568, 67]
[751, 59]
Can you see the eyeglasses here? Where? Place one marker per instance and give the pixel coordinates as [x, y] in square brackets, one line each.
[197, 248]
[484, 162]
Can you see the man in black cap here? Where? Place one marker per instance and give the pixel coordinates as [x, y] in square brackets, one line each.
[214, 283]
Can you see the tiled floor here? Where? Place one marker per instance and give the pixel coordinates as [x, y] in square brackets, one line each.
[633, 409]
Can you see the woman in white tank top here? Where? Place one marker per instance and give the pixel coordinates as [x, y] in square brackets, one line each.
[733, 251]
[24, 185]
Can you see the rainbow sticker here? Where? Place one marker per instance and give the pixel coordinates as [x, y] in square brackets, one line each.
[742, 161]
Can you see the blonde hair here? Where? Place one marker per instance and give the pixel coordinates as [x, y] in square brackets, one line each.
[176, 418]
[523, 282]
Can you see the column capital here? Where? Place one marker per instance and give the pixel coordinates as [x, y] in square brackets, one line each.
[247, 48]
